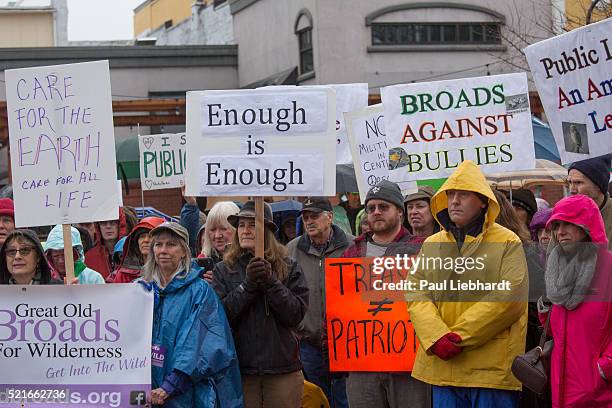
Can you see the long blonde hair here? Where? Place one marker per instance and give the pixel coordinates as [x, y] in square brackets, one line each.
[275, 253]
[218, 217]
[151, 271]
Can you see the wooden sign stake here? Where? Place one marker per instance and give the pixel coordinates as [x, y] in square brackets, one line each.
[259, 227]
[68, 256]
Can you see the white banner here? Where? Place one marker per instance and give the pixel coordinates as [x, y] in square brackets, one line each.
[75, 345]
[572, 74]
[432, 127]
[274, 174]
[349, 97]
[162, 161]
[368, 142]
[278, 129]
[62, 144]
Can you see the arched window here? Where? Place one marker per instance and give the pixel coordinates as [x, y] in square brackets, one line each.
[303, 30]
[435, 24]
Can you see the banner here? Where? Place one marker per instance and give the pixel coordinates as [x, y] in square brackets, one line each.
[349, 97]
[62, 144]
[572, 74]
[270, 141]
[432, 127]
[368, 142]
[368, 328]
[75, 345]
[162, 161]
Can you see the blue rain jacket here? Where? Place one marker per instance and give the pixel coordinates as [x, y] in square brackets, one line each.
[190, 323]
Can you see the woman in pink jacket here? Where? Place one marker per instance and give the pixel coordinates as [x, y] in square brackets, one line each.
[579, 286]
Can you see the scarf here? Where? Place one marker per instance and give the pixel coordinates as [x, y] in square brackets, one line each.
[569, 273]
[79, 266]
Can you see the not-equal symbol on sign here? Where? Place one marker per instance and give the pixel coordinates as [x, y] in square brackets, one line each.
[380, 306]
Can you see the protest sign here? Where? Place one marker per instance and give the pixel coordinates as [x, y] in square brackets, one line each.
[432, 127]
[162, 161]
[368, 142]
[349, 97]
[261, 142]
[75, 345]
[368, 329]
[572, 74]
[62, 144]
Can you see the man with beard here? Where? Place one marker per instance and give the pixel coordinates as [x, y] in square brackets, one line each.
[322, 240]
[384, 205]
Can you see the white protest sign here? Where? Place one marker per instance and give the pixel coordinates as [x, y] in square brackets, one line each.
[162, 160]
[368, 142]
[269, 141]
[349, 97]
[62, 144]
[432, 127]
[75, 345]
[119, 193]
[572, 74]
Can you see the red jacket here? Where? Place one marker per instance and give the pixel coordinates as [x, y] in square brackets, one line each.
[130, 268]
[99, 258]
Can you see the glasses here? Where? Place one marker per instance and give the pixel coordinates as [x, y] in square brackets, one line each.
[24, 251]
[382, 207]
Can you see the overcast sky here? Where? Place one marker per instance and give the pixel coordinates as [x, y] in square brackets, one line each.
[98, 20]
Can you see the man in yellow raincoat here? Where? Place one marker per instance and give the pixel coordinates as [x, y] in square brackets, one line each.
[468, 339]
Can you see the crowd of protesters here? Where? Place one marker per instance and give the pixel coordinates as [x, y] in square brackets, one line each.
[243, 330]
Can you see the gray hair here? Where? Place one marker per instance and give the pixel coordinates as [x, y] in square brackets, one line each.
[218, 217]
[151, 271]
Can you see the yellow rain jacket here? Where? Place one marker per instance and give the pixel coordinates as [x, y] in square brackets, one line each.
[493, 332]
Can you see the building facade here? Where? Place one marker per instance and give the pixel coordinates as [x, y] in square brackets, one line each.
[383, 42]
[33, 23]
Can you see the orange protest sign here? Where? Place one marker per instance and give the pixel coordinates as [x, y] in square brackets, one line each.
[367, 329]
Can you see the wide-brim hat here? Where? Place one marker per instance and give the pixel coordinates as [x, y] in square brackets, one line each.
[248, 211]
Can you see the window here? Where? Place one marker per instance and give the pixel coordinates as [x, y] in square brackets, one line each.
[303, 31]
[306, 55]
[435, 33]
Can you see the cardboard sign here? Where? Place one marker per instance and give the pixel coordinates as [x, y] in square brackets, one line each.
[367, 329]
[349, 97]
[261, 142]
[368, 142]
[572, 74]
[62, 144]
[75, 345]
[162, 160]
[432, 127]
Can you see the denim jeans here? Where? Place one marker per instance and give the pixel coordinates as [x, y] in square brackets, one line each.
[467, 397]
[317, 372]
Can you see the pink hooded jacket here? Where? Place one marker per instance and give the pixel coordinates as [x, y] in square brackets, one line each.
[583, 336]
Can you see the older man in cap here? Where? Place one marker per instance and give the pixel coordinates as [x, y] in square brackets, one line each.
[384, 205]
[419, 218]
[7, 218]
[591, 178]
[321, 240]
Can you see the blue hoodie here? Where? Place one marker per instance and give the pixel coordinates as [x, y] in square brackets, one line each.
[55, 241]
[189, 322]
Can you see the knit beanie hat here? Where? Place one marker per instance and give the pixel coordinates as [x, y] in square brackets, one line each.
[596, 169]
[386, 191]
[7, 207]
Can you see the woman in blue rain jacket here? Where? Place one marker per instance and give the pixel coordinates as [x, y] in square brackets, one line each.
[194, 361]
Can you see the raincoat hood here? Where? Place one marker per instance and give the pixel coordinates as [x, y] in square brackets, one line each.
[582, 211]
[55, 240]
[467, 177]
[122, 227]
[538, 222]
[131, 243]
[43, 265]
